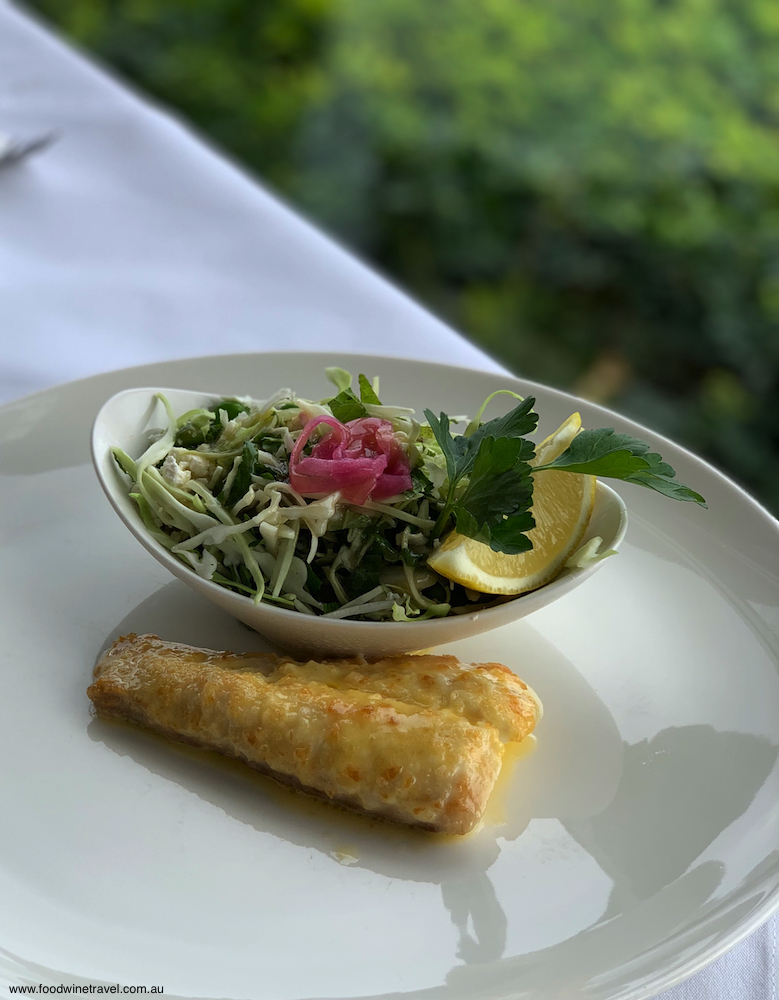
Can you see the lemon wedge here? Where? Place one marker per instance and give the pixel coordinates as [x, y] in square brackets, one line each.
[554, 445]
[562, 505]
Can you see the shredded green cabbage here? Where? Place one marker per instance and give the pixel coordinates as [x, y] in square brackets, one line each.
[213, 488]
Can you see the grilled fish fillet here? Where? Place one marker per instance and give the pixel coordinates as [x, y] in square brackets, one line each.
[415, 739]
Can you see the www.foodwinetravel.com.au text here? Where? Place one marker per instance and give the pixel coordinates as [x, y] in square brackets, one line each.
[91, 988]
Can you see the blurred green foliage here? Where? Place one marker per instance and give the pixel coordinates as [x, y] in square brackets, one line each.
[590, 191]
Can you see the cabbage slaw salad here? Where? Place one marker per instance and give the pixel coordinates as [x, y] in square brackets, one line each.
[324, 507]
[332, 507]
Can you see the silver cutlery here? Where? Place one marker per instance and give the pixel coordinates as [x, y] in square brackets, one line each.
[16, 148]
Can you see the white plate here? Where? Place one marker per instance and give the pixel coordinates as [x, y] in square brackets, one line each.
[638, 841]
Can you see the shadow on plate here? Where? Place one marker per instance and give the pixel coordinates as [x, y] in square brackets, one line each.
[633, 808]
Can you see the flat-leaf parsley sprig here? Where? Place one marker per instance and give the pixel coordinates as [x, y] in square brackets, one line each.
[489, 494]
[490, 488]
[605, 453]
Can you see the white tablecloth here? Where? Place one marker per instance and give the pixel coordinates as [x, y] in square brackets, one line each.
[130, 241]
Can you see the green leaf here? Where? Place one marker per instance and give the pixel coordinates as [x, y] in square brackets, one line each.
[461, 451]
[466, 524]
[517, 423]
[602, 452]
[666, 485]
[598, 446]
[243, 477]
[232, 407]
[190, 436]
[367, 394]
[211, 433]
[193, 427]
[494, 509]
[476, 422]
[346, 406]
[420, 484]
[340, 378]
[388, 551]
[500, 482]
[440, 428]
[510, 535]
[357, 519]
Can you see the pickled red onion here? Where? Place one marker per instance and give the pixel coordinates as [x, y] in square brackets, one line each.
[377, 436]
[362, 459]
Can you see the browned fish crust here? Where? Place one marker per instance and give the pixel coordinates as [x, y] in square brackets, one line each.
[414, 739]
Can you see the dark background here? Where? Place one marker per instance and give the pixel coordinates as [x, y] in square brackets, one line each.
[588, 191]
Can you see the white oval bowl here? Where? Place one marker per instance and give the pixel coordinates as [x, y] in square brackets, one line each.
[125, 420]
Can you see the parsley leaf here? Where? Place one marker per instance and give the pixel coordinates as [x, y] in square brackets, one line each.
[499, 482]
[494, 508]
[346, 406]
[232, 408]
[604, 453]
[420, 485]
[460, 452]
[367, 392]
[440, 427]
[490, 481]
[517, 423]
[510, 535]
[190, 435]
